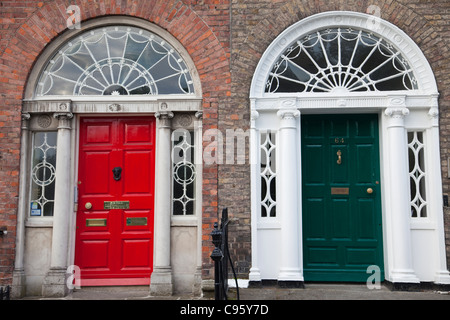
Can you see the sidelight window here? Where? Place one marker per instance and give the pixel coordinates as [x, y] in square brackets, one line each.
[417, 174]
[268, 174]
[183, 172]
[42, 196]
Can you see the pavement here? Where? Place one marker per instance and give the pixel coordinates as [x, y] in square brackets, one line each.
[311, 291]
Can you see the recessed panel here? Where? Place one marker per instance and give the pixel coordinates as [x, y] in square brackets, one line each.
[136, 253]
[95, 253]
[98, 134]
[138, 133]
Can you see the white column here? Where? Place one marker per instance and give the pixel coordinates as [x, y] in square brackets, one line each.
[18, 287]
[198, 160]
[55, 281]
[400, 208]
[435, 192]
[287, 197]
[255, 171]
[161, 280]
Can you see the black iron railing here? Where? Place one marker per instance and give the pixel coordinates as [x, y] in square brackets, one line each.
[221, 257]
[5, 293]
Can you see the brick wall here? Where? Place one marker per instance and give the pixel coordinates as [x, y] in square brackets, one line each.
[226, 45]
[256, 23]
[28, 26]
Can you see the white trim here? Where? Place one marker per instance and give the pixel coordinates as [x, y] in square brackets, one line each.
[385, 29]
[401, 110]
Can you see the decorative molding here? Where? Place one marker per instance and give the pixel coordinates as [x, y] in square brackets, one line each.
[396, 113]
[103, 105]
[44, 121]
[184, 120]
[115, 107]
[397, 101]
[288, 114]
[433, 113]
[254, 115]
[63, 119]
[25, 121]
[373, 101]
[199, 115]
[404, 44]
[164, 118]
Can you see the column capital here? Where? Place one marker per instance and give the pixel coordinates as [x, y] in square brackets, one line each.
[199, 115]
[64, 119]
[288, 114]
[288, 118]
[25, 120]
[164, 118]
[396, 112]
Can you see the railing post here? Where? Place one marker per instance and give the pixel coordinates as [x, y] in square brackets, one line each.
[217, 257]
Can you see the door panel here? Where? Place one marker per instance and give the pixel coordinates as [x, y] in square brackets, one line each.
[114, 242]
[341, 220]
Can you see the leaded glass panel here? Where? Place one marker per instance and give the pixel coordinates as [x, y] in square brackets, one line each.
[183, 172]
[43, 174]
[341, 60]
[116, 60]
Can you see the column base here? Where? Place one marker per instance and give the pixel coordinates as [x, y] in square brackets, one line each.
[254, 275]
[55, 283]
[18, 289]
[290, 274]
[161, 283]
[403, 276]
[197, 286]
[442, 277]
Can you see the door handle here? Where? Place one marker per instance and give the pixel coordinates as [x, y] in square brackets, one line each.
[339, 154]
[369, 190]
[88, 205]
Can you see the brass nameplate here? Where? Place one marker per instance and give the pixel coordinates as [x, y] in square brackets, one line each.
[108, 205]
[95, 222]
[141, 221]
[339, 190]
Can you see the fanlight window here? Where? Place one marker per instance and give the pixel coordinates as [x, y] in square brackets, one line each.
[340, 60]
[116, 60]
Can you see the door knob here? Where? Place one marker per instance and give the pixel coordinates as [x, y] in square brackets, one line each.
[88, 205]
[369, 190]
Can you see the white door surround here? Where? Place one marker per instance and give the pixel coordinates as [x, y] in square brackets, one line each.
[414, 244]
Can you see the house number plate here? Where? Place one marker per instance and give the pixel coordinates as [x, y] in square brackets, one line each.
[108, 205]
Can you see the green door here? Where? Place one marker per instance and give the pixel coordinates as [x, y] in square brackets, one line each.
[342, 232]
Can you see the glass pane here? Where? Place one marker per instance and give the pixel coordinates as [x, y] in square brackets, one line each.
[116, 60]
[344, 59]
[43, 174]
[183, 172]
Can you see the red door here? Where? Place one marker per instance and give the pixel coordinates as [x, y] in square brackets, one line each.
[114, 238]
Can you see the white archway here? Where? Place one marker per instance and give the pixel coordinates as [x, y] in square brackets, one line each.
[408, 123]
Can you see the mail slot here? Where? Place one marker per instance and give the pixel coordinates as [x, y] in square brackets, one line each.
[95, 222]
[339, 190]
[140, 221]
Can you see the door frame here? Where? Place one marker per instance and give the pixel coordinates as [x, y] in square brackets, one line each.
[116, 281]
[399, 112]
[333, 276]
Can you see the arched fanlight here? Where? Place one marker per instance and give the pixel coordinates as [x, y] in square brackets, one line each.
[115, 60]
[340, 60]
